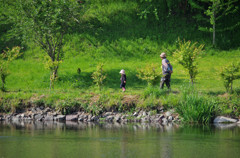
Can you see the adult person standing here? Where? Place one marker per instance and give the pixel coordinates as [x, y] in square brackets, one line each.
[166, 71]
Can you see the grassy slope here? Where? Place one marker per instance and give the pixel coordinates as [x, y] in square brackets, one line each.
[116, 36]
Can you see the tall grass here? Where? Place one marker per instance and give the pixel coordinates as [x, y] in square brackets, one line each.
[195, 108]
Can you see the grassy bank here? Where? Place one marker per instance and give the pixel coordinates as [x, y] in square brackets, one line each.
[114, 35]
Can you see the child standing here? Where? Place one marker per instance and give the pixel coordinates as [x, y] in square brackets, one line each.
[123, 80]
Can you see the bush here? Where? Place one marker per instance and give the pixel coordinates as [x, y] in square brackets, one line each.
[229, 74]
[98, 76]
[196, 108]
[150, 73]
[187, 55]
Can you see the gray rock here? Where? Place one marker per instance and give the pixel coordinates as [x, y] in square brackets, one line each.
[164, 121]
[222, 119]
[60, 118]
[238, 122]
[94, 119]
[145, 119]
[158, 119]
[81, 118]
[33, 110]
[107, 114]
[144, 114]
[135, 114]
[46, 110]
[170, 118]
[109, 118]
[168, 113]
[117, 118]
[71, 117]
[14, 119]
[49, 118]
[38, 117]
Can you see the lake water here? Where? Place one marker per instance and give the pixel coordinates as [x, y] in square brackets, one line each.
[72, 139]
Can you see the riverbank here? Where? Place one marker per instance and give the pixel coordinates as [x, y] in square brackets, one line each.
[48, 114]
[153, 105]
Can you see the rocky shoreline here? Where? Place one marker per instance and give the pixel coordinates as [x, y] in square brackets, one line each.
[43, 114]
[48, 114]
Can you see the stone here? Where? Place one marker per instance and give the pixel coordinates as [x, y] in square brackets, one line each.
[94, 119]
[46, 110]
[71, 117]
[33, 110]
[164, 121]
[81, 118]
[145, 119]
[170, 118]
[144, 114]
[109, 118]
[107, 114]
[135, 114]
[117, 118]
[14, 118]
[158, 119]
[38, 117]
[168, 113]
[49, 118]
[60, 118]
[222, 119]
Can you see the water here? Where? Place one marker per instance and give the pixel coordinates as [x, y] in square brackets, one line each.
[71, 139]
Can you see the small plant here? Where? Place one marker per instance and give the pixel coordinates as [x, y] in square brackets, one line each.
[53, 67]
[229, 74]
[151, 74]
[5, 58]
[98, 76]
[195, 108]
[187, 55]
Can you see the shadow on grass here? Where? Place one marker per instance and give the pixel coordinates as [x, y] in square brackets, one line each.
[84, 80]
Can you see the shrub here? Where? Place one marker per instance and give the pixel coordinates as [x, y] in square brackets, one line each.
[187, 55]
[98, 76]
[195, 108]
[151, 74]
[229, 74]
[5, 58]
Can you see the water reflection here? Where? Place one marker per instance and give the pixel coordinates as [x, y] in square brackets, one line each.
[77, 139]
[71, 125]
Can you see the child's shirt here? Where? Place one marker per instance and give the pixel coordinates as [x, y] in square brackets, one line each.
[123, 78]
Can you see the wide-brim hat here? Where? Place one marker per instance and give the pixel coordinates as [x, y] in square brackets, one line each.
[163, 55]
[122, 71]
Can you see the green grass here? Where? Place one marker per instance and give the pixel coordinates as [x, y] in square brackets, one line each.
[114, 35]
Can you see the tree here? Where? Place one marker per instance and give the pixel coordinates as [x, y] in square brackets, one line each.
[98, 76]
[5, 58]
[159, 9]
[150, 73]
[229, 74]
[214, 10]
[46, 22]
[187, 55]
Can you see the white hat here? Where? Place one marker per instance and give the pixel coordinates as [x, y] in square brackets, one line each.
[122, 71]
[163, 55]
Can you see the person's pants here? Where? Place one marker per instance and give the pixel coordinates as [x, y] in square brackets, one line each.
[165, 80]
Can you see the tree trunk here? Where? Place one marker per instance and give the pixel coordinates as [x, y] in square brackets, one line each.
[214, 32]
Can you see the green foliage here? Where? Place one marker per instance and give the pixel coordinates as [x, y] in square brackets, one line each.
[151, 74]
[5, 58]
[195, 108]
[187, 55]
[99, 76]
[53, 67]
[214, 10]
[46, 22]
[229, 74]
